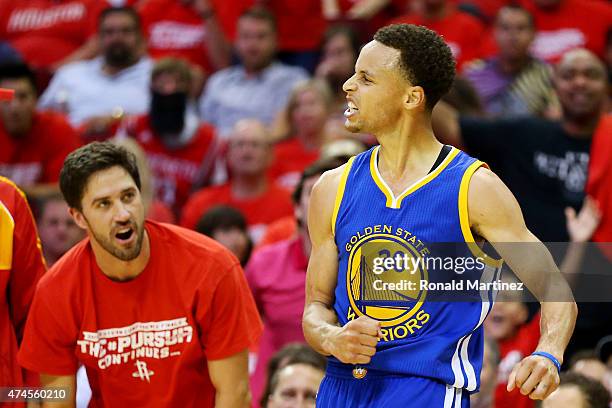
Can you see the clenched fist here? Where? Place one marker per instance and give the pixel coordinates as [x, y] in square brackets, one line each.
[355, 342]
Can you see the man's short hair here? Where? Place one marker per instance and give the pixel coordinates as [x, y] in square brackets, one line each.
[174, 66]
[516, 7]
[260, 13]
[89, 159]
[130, 11]
[221, 217]
[18, 70]
[425, 59]
[290, 354]
[594, 393]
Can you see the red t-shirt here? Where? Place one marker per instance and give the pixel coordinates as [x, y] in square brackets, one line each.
[144, 342]
[228, 13]
[47, 31]
[599, 183]
[300, 24]
[511, 351]
[175, 29]
[21, 266]
[260, 211]
[38, 156]
[290, 160]
[175, 171]
[461, 31]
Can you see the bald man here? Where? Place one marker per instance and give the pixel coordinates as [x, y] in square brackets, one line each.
[543, 162]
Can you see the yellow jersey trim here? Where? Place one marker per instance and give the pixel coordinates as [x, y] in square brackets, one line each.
[7, 227]
[340, 193]
[391, 200]
[464, 217]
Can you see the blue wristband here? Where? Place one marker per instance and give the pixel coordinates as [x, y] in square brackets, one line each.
[550, 357]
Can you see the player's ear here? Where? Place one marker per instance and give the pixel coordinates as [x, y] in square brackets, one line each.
[78, 217]
[415, 97]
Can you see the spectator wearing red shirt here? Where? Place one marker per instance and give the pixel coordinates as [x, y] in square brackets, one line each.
[188, 29]
[249, 190]
[51, 33]
[599, 183]
[158, 315]
[180, 149]
[21, 266]
[277, 277]
[461, 31]
[307, 113]
[33, 144]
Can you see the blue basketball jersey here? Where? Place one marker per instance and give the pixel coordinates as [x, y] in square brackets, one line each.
[385, 246]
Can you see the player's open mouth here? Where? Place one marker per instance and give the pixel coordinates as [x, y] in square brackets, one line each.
[125, 235]
[351, 110]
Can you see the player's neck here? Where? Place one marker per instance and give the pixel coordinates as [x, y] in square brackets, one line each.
[118, 270]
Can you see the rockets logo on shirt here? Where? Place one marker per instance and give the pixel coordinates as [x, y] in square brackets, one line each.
[129, 344]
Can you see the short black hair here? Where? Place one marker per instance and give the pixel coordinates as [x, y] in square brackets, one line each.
[290, 354]
[260, 13]
[220, 217]
[425, 59]
[594, 393]
[131, 11]
[89, 159]
[18, 70]
[317, 168]
[517, 7]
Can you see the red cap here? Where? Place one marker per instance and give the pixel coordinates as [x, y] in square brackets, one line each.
[6, 94]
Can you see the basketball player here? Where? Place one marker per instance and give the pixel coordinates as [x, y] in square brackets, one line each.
[397, 198]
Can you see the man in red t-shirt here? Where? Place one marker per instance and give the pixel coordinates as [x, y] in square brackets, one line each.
[180, 149]
[158, 315]
[21, 266]
[33, 144]
[249, 190]
[461, 31]
[50, 33]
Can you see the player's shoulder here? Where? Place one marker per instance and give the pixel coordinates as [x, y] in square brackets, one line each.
[67, 273]
[193, 246]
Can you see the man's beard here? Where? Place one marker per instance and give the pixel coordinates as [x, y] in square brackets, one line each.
[118, 55]
[167, 112]
[127, 254]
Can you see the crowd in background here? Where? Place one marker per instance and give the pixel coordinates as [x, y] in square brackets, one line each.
[235, 108]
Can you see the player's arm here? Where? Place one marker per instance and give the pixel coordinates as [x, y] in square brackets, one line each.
[66, 382]
[356, 341]
[495, 215]
[230, 378]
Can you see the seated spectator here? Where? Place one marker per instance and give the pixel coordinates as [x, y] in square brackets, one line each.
[339, 53]
[227, 226]
[277, 277]
[306, 113]
[154, 209]
[188, 29]
[577, 391]
[58, 231]
[180, 149]
[543, 162]
[33, 145]
[295, 380]
[513, 83]
[461, 31]
[95, 94]
[49, 33]
[517, 338]
[259, 86]
[587, 363]
[249, 189]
